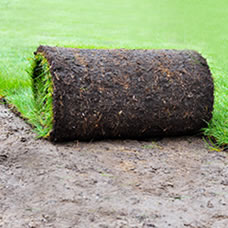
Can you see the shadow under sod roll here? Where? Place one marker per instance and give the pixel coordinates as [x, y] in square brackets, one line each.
[119, 93]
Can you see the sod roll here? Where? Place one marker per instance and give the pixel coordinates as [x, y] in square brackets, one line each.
[90, 94]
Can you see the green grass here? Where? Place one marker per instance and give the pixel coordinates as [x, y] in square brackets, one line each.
[199, 25]
[42, 89]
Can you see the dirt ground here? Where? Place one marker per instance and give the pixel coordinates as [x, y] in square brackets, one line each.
[171, 182]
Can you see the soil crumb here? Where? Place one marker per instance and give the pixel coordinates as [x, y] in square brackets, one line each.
[169, 182]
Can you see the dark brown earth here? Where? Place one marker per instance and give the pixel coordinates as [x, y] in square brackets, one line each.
[174, 182]
[120, 93]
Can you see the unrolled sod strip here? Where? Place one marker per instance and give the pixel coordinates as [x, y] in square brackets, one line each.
[90, 94]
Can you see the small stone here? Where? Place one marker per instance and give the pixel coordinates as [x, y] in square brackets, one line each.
[23, 139]
[3, 157]
[32, 225]
[209, 204]
[222, 202]
[224, 182]
[149, 225]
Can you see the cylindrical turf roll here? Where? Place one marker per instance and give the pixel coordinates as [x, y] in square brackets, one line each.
[118, 93]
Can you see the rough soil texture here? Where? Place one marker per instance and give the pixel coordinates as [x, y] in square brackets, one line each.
[120, 93]
[173, 182]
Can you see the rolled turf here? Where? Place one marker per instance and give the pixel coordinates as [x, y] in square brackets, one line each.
[87, 94]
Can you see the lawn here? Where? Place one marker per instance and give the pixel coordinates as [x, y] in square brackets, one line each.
[25, 24]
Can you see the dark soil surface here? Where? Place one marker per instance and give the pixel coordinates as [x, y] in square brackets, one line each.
[120, 93]
[173, 182]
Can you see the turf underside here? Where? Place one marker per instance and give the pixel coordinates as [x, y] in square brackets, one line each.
[42, 88]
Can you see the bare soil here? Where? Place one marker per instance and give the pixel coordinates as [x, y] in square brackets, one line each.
[171, 182]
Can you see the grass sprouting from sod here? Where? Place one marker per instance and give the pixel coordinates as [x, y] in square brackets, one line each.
[25, 24]
[218, 126]
[43, 91]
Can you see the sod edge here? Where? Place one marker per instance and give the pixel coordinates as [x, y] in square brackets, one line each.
[42, 87]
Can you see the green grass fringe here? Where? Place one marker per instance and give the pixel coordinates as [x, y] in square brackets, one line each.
[43, 90]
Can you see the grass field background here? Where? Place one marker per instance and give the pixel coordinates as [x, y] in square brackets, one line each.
[189, 24]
